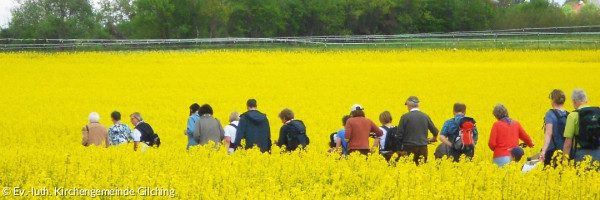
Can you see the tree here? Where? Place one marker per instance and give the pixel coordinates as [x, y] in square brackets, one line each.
[55, 19]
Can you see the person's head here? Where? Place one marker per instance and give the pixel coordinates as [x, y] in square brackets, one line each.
[385, 117]
[345, 119]
[412, 102]
[205, 109]
[459, 108]
[558, 97]
[500, 112]
[516, 154]
[115, 116]
[94, 117]
[194, 108]
[357, 111]
[286, 115]
[136, 118]
[234, 116]
[579, 98]
[251, 104]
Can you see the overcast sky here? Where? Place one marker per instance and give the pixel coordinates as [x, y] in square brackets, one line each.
[6, 5]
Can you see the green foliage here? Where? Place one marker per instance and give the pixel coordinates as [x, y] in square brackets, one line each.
[276, 18]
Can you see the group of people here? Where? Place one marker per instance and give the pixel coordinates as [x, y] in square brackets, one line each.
[203, 127]
[577, 133]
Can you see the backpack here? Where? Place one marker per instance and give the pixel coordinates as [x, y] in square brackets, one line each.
[332, 142]
[296, 136]
[558, 130]
[589, 128]
[464, 140]
[231, 144]
[393, 139]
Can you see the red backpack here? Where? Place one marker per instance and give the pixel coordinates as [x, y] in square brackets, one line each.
[464, 141]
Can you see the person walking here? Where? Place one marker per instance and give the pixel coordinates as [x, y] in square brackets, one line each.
[254, 128]
[94, 132]
[505, 136]
[207, 127]
[415, 126]
[191, 125]
[358, 129]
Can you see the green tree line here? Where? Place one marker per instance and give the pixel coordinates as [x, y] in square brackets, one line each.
[273, 18]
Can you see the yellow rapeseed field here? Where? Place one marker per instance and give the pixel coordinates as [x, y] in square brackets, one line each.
[46, 98]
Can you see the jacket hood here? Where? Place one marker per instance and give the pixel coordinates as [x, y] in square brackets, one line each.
[256, 117]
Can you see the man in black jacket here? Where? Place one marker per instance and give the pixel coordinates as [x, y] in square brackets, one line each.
[254, 127]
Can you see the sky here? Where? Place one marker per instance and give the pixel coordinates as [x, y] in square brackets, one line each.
[6, 5]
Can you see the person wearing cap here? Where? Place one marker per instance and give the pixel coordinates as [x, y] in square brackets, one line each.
[414, 126]
[94, 132]
[357, 131]
[118, 133]
[254, 128]
[505, 136]
[516, 154]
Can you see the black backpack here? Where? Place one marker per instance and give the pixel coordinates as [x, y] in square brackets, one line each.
[589, 128]
[393, 139]
[296, 136]
[558, 130]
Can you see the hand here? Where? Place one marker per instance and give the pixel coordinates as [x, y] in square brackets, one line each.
[542, 156]
[185, 132]
[432, 140]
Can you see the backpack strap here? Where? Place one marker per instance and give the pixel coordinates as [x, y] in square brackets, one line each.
[234, 126]
[387, 129]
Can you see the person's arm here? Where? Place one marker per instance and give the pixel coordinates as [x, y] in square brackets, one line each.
[434, 131]
[190, 126]
[85, 133]
[241, 132]
[135, 146]
[268, 133]
[197, 131]
[523, 136]
[282, 136]
[221, 131]
[375, 144]
[348, 129]
[444, 133]
[106, 139]
[569, 133]
[493, 135]
[136, 138]
[338, 143]
[547, 139]
[378, 132]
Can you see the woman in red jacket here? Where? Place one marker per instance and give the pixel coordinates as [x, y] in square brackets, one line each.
[505, 135]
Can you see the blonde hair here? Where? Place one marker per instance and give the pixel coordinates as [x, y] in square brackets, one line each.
[234, 116]
[137, 115]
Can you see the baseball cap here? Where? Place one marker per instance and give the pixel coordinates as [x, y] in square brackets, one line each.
[517, 153]
[356, 107]
[412, 99]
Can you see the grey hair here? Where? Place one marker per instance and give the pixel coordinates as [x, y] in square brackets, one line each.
[137, 115]
[412, 104]
[500, 111]
[579, 95]
[94, 117]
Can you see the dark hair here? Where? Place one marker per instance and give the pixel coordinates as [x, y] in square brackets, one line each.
[558, 97]
[286, 114]
[358, 113]
[205, 109]
[345, 119]
[251, 103]
[116, 115]
[385, 117]
[460, 107]
[194, 107]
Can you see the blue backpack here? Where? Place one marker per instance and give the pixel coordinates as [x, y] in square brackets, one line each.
[558, 130]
